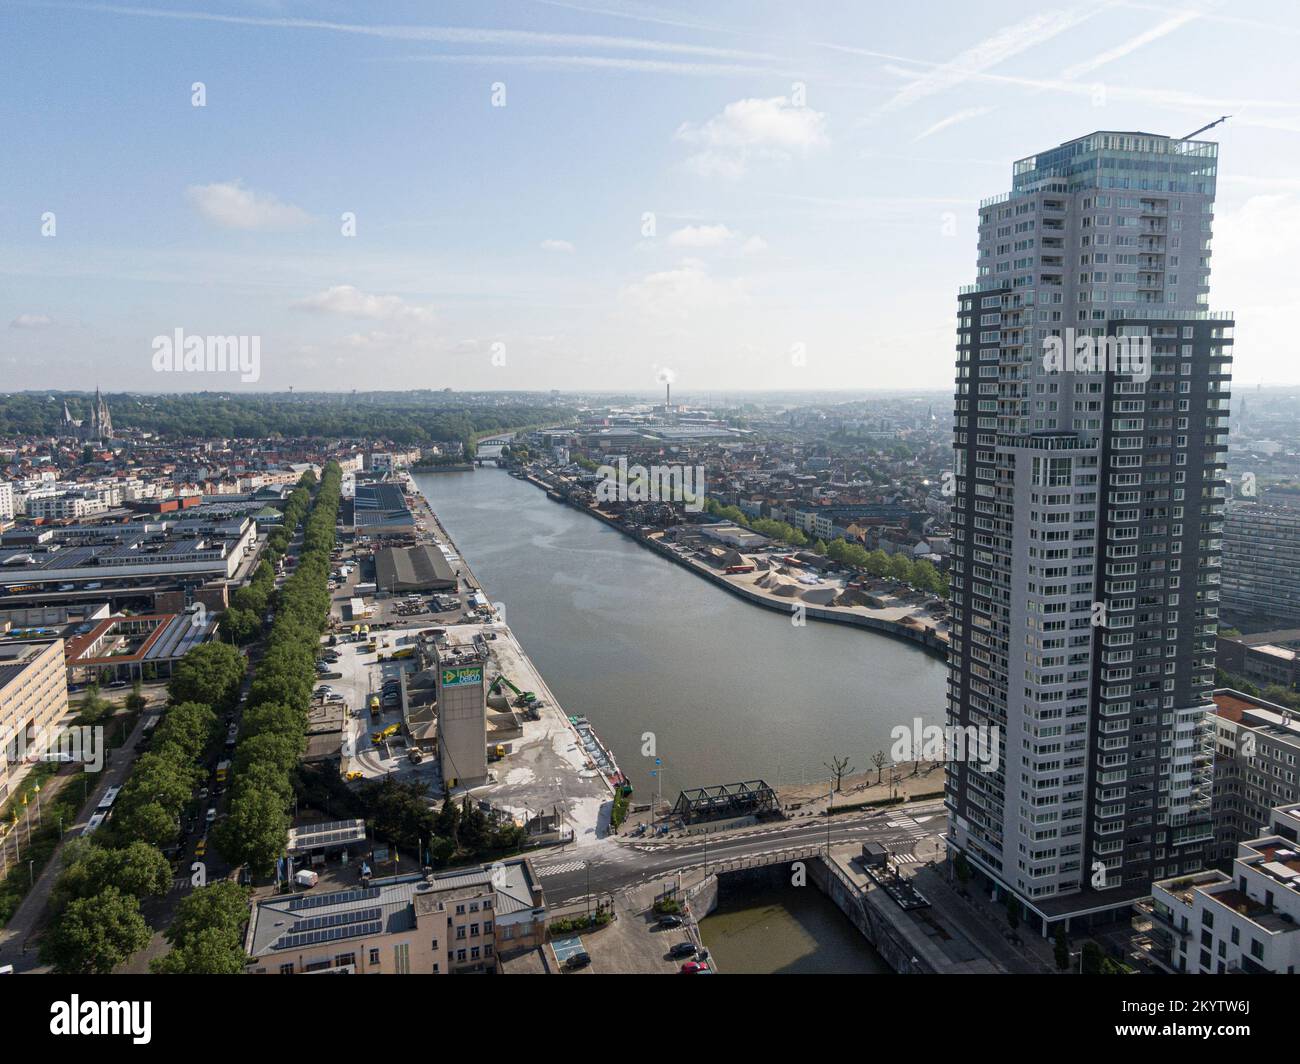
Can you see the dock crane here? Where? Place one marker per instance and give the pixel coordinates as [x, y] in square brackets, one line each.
[1221, 118]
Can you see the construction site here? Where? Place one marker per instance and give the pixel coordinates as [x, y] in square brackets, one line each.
[464, 710]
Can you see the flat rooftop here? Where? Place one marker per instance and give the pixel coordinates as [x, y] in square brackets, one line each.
[385, 907]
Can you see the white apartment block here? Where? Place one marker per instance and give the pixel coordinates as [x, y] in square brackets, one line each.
[1247, 922]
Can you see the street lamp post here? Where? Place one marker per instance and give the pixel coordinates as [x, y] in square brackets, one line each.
[830, 799]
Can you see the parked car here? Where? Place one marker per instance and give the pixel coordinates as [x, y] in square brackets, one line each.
[694, 968]
[682, 949]
[670, 921]
[578, 960]
[211, 814]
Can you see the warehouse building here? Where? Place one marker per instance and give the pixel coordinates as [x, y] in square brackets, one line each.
[421, 568]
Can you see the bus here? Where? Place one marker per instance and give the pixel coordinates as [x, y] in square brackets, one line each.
[93, 824]
[106, 803]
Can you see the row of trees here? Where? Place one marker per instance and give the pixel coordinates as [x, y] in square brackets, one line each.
[274, 727]
[407, 418]
[95, 907]
[921, 575]
[764, 526]
[95, 918]
[242, 622]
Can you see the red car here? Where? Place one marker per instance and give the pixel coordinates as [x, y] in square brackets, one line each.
[693, 968]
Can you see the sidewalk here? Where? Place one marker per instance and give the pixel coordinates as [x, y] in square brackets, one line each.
[17, 939]
[986, 923]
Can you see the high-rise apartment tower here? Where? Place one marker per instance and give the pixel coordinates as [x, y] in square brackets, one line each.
[1090, 435]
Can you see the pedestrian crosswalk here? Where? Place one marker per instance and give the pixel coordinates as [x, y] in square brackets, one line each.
[906, 823]
[905, 858]
[555, 870]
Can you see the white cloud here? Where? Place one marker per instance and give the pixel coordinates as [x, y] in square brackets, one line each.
[701, 236]
[771, 129]
[231, 205]
[682, 292]
[754, 245]
[347, 301]
[31, 321]
[558, 245]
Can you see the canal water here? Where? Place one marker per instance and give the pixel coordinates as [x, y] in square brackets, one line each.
[725, 690]
[786, 930]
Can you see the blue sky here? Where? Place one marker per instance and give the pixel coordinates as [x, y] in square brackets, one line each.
[812, 170]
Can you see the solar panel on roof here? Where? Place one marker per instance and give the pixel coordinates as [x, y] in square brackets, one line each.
[331, 934]
[347, 897]
[313, 923]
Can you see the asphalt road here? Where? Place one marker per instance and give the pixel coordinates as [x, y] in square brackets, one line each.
[623, 862]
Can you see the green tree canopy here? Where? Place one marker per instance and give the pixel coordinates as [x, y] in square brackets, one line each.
[94, 935]
[211, 674]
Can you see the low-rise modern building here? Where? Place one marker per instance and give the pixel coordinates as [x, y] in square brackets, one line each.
[1263, 658]
[1256, 766]
[88, 555]
[459, 921]
[1246, 922]
[33, 697]
[137, 647]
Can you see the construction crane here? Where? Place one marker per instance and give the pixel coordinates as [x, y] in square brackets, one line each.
[1221, 118]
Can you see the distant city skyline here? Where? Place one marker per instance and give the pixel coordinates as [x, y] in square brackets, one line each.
[580, 196]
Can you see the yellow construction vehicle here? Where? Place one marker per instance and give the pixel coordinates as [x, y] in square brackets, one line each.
[379, 736]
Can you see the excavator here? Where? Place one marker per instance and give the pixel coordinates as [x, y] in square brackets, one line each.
[523, 699]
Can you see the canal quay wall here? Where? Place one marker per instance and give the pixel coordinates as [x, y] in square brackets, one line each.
[898, 938]
[925, 638]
